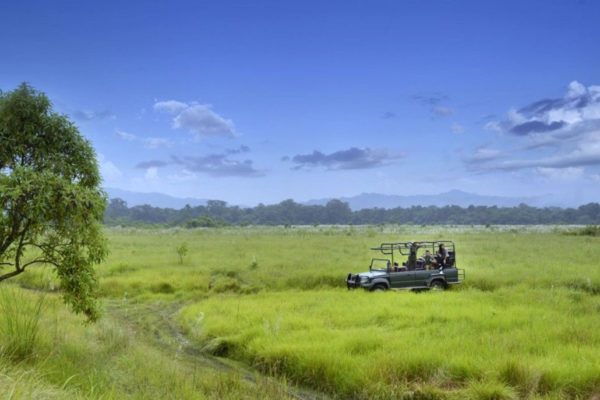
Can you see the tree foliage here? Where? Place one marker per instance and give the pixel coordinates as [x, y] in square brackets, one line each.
[51, 203]
[288, 212]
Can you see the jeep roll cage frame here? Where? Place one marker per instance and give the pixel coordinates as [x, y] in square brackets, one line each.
[403, 248]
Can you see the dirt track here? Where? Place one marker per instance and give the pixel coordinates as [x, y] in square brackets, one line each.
[156, 324]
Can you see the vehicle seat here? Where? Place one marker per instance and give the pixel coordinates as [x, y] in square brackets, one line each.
[450, 261]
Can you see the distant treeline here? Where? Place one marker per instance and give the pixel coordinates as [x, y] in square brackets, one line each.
[288, 212]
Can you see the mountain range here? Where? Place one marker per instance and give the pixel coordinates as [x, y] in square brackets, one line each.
[363, 200]
[450, 198]
[154, 199]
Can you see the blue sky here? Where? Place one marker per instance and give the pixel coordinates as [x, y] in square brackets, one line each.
[262, 101]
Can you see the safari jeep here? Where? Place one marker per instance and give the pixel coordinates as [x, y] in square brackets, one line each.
[426, 265]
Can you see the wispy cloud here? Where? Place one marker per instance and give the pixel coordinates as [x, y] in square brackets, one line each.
[219, 165]
[198, 119]
[442, 111]
[88, 115]
[561, 174]
[483, 154]
[457, 128]
[130, 137]
[149, 142]
[352, 158]
[215, 164]
[388, 115]
[430, 99]
[152, 164]
[435, 102]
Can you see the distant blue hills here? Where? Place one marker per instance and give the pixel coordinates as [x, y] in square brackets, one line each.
[154, 199]
[364, 200]
[450, 198]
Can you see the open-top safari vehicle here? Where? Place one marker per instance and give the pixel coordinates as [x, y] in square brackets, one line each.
[410, 265]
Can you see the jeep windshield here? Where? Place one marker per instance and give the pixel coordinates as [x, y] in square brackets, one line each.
[379, 264]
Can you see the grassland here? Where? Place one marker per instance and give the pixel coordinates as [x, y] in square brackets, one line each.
[524, 325]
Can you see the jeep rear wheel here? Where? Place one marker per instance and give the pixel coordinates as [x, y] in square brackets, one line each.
[438, 284]
[380, 287]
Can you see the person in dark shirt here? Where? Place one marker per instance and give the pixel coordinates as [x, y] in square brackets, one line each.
[441, 256]
[412, 256]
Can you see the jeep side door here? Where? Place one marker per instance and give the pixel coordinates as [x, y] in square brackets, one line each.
[422, 277]
[402, 279]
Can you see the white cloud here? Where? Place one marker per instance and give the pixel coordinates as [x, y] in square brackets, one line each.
[108, 170]
[151, 174]
[149, 143]
[575, 90]
[183, 176]
[484, 154]
[570, 126]
[170, 106]
[155, 143]
[561, 174]
[199, 119]
[130, 137]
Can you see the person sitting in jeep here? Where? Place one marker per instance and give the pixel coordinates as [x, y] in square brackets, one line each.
[441, 256]
[428, 259]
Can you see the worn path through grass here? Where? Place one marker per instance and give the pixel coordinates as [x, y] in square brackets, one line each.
[156, 322]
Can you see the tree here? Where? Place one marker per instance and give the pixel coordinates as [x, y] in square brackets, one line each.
[182, 251]
[51, 203]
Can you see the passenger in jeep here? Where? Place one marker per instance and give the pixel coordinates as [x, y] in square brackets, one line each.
[441, 256]
[428, 259]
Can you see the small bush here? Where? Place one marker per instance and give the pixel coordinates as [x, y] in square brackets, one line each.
[253, 265]
[590, 230]
[163, 287]
[520, 377]
[491, 391]
[225, 284]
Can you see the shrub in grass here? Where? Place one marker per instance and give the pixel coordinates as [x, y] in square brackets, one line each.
[222, 284]
[19, 322]
[163, 287]
[590, 230]
[490, 391]
[520, 377]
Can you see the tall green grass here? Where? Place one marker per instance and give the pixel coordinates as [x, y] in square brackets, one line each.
[357, 344]
[19, 323]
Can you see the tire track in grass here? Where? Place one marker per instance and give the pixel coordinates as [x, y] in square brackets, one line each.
[156, 323]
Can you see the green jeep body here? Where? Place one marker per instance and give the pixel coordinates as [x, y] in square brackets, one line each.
[387, 273]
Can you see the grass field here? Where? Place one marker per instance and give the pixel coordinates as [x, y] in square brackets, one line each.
[524, 325]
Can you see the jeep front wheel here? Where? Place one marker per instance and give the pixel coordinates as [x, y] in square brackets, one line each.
[380, 287]
[437, 285]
